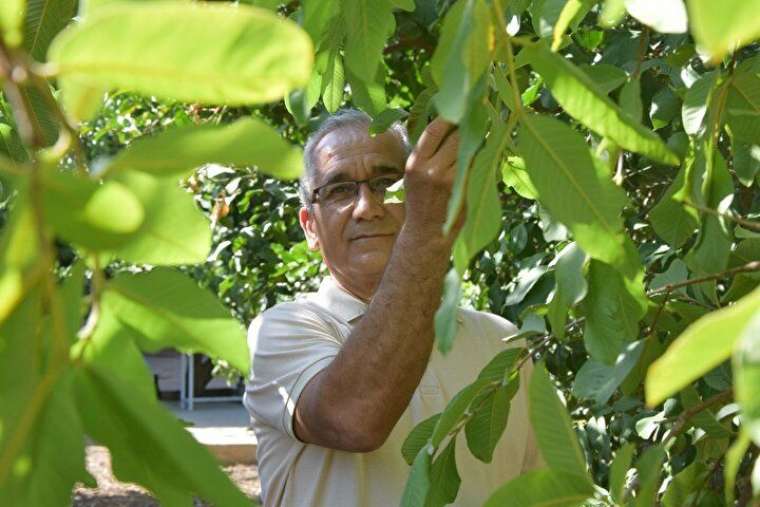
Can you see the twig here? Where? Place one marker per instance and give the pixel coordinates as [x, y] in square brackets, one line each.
[653, 326]
[746, 268]
[755, 226]
[682, 423]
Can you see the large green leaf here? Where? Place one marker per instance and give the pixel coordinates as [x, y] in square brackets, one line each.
[246, 142]
[574, 190]
[43, 20]
[612, 313]
[333, 76]
[665, 16]
[570, 286]
[167, 309]
[554, 431]
[734, 458]
[743, 101]
[368, 24]
[84, 212]
[461, 56]
[20, 262]
[148, 444]
[482, 224]
[696, 101]
[721, 27]
[669, 219]
[174, 230]
[455, 409]
[649, 467]
[11, 19]
[444, 477]
[578, 95]
[488, 422]
[543, 488]
[418, 438]
[704, 345]
[418, 483]
[618, 470]
[747, 377]
[598, 381]
[446, 316]
[197, 52]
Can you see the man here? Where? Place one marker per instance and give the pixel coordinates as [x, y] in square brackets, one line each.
[340, 377]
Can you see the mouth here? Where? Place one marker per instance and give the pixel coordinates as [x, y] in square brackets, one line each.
[371, 236]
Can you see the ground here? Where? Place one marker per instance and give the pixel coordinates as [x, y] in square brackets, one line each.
[112, 493]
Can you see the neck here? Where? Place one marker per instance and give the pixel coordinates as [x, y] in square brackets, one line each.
[362, 288]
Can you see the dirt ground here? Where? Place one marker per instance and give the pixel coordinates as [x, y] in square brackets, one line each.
[112, 493]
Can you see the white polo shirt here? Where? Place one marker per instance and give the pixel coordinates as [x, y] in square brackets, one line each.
[292, 342]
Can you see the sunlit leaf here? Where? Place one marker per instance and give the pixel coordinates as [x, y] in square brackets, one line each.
[11, 19]
[368, 25]
[418, 483]
[743, 101]
[665, 16]
[722, 27]
[199, 52]
[43, 20]
[176, 152]
[579, 97]
[544, 487]
[747, 376]
[703, 346]
[598, 381]
[695, 102]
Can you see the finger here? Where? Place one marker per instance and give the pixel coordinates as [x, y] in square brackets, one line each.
[446, 155]
[432, 137]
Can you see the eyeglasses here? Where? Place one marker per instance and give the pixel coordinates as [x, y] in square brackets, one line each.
[344, 192]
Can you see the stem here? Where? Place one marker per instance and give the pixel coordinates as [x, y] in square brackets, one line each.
[507, 42]
[682, 423]
[746, 268]
[749, 224]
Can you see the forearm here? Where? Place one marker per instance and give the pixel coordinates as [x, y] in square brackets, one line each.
[363, 392]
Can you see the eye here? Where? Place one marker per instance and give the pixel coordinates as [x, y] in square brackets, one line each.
[339, 191]
[382, 183]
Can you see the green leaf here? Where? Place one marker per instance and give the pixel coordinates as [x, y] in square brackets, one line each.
[333, 81]
[11, 146]
[446, 315]
[89, 214]
[685, 485]
[669, 219]
[695, 102]
[570, 286]
[630, 99]
[578, 95]
[605, 77]
[368, 95]
[665, 16]
[618, 471]
[734, 458]
[444, 478]
[598, 381]
[300, 102]
[722, 27]
[501, 365]
[704, 419]
[704, 345]
[20, 263]
[482, 223]
[571, 9]
[612, 13]
[177, 151]
[418, 483]
[544, 16]
[461, 56]
[541, 488]
[168, 309]
[746, 162]
[384, 120]
[574, 191]
[43, 20]
[225, 54]
[11, 19]
[664, 108]
[174, 230]
[418, 438]
[455, 409]
[515, 176]
[148, 445]
[368, 25]
[612, 311]
[488, 422]
[649, 467]
[743, 101]
[554, 430]
[747, 376]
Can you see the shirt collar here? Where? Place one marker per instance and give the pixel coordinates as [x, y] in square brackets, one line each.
[339, 301]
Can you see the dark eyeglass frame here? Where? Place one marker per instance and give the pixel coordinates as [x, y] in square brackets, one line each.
[315, 192]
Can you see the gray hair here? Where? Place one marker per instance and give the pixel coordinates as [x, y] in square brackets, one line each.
[345, 118]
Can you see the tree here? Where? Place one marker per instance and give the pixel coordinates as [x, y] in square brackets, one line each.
[609, 162]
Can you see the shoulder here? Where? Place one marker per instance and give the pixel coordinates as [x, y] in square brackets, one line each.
[490, 325]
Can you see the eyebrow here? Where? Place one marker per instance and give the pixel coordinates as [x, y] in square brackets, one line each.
[378, 170]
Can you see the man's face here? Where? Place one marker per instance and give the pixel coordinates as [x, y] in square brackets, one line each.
[356, 238]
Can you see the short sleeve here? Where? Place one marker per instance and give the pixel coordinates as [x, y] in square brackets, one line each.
[289, 344]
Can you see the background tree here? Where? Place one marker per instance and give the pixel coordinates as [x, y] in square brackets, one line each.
[610, 152]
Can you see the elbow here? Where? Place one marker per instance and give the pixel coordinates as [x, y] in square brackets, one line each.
[363, 441]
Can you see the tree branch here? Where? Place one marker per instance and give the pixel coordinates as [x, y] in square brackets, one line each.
[746, 268]
[682, 423]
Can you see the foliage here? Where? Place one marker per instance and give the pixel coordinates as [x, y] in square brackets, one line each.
[609, 164]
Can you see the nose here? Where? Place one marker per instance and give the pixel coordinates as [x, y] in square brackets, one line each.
[367, 205]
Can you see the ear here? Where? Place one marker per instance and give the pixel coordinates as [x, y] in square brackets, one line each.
[306, 219]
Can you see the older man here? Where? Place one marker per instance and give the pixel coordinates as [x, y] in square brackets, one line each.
[341, 376]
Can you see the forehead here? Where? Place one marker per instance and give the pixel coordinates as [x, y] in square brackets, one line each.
[352, 147]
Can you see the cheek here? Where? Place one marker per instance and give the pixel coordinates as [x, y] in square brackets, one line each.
[397, 212]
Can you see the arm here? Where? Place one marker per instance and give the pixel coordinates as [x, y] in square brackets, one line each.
[354, 403]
